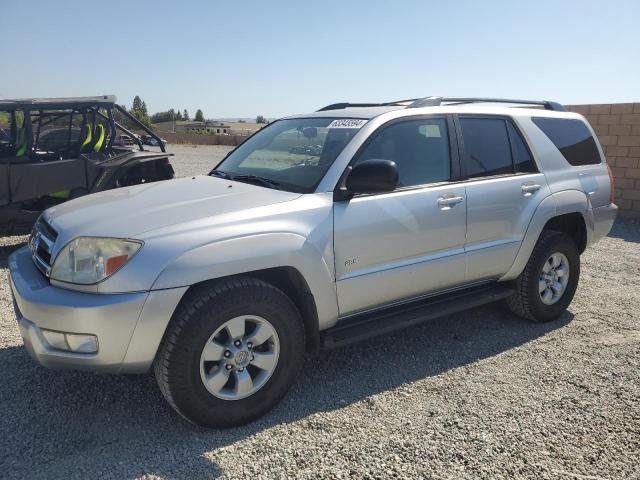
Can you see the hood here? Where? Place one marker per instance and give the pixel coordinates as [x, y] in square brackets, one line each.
[130, 211]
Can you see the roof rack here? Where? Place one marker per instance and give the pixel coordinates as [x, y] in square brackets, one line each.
[437, 101]
[343, 105]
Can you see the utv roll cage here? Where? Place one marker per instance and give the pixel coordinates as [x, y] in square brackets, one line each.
[57, 149]
[437, 101]
[89, 107]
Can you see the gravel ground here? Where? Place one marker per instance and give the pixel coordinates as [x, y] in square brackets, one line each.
[196, 159]
[475, 395]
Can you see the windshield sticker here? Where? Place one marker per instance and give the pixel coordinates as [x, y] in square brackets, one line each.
[430, 131]
[347, 123]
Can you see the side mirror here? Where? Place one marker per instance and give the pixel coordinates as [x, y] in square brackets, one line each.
[373, 176]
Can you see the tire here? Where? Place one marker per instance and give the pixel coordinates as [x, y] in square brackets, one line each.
[527, 302]
[181, 367]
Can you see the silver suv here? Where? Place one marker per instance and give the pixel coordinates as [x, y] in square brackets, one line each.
[319, 230]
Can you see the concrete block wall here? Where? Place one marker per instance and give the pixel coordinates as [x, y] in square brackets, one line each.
[617, 126]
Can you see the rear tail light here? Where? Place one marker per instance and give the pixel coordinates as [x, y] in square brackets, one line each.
[612, 183]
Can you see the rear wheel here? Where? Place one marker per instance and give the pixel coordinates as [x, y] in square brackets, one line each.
[548, 283]
[231, 352]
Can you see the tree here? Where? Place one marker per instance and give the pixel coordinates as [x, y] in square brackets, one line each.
[261, 119]
[137, 104]
[185, 115]
[139, 110]
[168, 116]
[144, 119]
[159, 117]
[178, 114]
[127, 122]
[199, 116]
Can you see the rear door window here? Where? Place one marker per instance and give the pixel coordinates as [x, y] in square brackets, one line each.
[572, 138]
[522, 161]
[486, 146]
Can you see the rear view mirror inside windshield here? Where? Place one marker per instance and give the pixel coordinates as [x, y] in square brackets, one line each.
[310, 132]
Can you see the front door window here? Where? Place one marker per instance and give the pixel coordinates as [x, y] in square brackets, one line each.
[420, 148]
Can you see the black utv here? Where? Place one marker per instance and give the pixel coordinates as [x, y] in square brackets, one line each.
[56, 149]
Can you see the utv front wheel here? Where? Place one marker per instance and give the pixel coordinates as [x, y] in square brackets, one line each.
[548, 283]
[231, 352]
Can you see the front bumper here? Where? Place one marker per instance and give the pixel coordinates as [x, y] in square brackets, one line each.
[129, 326]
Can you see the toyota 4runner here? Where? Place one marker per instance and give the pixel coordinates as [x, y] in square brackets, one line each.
[319, 230]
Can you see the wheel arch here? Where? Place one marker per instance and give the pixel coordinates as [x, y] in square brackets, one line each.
[291, 282]
[567, 211]
[573, 224]
[288, 261]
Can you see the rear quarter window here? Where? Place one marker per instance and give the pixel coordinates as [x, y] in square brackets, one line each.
[572, 138]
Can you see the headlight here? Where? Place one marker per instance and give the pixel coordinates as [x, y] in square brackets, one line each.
[88, 260]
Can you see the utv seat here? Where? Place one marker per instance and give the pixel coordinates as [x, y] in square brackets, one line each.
[21, 142]
[86, 143]
[98, 135]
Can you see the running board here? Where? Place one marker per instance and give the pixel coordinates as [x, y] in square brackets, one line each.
[368, 325]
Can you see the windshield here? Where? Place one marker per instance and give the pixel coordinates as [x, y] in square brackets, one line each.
[291, 154]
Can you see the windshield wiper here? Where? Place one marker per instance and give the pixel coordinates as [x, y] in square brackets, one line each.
[221, 174]
[267, 182]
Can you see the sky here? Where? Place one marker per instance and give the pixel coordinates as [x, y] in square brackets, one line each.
[274, 58]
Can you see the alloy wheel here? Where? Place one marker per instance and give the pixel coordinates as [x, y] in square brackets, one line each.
[240, 357]
[554, 278]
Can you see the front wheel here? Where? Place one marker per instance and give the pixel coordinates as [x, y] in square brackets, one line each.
[231, 352]
[548, 283]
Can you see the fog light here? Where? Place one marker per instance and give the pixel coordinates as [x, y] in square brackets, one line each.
[71, 342]
[82, 343]
[55, 339]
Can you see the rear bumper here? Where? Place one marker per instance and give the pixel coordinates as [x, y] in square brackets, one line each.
[121, 322]
[603, 219]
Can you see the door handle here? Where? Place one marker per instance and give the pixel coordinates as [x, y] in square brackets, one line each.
[448, 201]
[529, 188]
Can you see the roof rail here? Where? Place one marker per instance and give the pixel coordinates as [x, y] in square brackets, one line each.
[343, 105]
[435, 101]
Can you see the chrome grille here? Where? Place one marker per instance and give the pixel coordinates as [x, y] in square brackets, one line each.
[41, 241]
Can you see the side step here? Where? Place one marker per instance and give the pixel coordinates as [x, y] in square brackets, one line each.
[368, 325]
